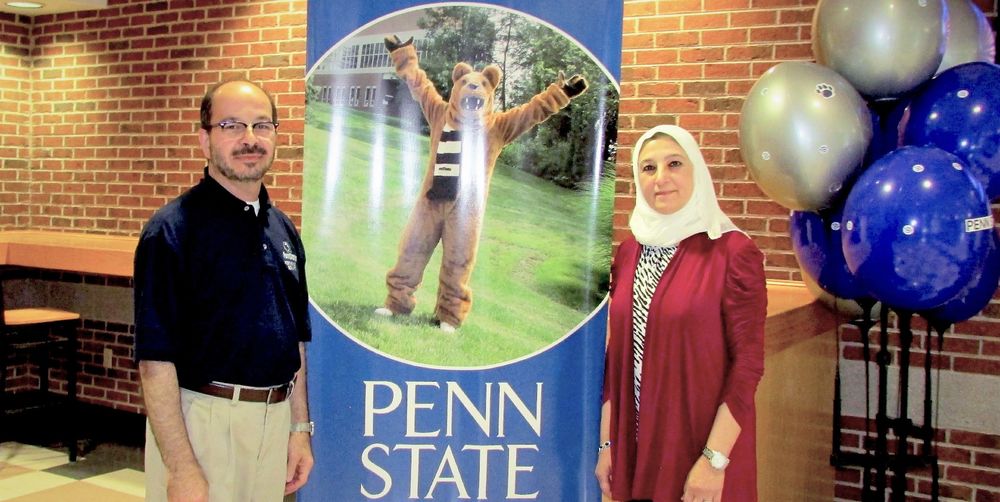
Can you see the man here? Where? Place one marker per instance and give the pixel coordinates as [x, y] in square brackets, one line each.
[221, 313]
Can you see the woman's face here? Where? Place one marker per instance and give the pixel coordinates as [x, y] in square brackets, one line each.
[666, 175]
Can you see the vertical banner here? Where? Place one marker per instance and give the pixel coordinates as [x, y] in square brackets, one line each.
[457, 199]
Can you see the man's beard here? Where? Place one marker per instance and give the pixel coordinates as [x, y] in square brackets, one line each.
[256, 173]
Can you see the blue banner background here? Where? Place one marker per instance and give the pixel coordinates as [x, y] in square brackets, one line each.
[561, 458]
[571, 374]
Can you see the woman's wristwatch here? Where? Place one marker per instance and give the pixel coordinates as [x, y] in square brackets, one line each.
[716, 459]
[604, 446]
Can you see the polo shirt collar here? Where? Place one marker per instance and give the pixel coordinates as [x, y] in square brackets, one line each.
[223, 198]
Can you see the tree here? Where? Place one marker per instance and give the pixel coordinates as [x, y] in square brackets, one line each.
[455, 34]
[560, 149]
[507, 22]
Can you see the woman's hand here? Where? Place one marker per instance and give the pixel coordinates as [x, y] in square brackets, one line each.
[603, 471]
[704, 484]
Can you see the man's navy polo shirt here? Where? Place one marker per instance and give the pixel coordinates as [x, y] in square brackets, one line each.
[221, 292]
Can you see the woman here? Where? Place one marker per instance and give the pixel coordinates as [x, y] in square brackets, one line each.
[688, 304]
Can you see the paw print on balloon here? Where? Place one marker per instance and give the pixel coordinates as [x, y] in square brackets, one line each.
[825, 90]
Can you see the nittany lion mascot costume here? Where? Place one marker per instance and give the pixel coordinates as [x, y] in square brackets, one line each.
[466, 136]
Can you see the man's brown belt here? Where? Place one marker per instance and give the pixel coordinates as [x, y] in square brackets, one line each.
[249, 394]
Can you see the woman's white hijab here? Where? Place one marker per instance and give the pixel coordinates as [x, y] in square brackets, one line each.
[701, 213]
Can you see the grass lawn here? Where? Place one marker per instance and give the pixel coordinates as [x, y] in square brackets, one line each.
[533, 281]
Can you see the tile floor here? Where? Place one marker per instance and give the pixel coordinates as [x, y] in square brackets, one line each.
[35, 466]
[108, 473]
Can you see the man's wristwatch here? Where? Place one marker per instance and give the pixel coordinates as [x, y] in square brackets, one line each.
[309, 427]
[716, 459]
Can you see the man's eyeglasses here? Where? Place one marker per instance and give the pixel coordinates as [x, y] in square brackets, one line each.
[236, 129]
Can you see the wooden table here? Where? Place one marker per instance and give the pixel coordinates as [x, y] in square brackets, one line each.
[74, 252]
[793, 316]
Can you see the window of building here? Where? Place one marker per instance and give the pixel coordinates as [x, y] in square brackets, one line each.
[349, 58]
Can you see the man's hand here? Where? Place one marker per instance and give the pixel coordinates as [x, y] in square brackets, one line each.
[187, 484]
[704, 484]
[393, 42]
[300, 461]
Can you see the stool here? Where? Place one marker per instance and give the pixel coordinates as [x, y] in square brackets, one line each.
[32, 329]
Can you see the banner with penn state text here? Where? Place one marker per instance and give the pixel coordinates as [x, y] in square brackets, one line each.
[457, 197]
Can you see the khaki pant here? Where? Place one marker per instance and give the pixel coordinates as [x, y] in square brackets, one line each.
[242, 449]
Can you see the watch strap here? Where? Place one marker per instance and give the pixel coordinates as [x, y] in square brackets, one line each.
[309, 427]
[716, 459]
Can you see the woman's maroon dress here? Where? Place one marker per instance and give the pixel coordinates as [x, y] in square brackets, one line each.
[704, 347]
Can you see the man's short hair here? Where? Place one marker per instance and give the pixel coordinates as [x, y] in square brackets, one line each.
[206, 102]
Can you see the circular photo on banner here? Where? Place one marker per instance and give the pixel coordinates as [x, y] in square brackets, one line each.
[458, 185]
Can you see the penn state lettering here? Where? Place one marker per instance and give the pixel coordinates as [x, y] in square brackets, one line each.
[413, 425]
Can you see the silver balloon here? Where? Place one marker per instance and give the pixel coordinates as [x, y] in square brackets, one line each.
[883, 47]
[969, 36]
[803, 132]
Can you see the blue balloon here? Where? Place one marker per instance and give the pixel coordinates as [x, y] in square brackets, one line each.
[888, 118]
[959, 111]
[977, 295]
[916, 228]
[817, 244]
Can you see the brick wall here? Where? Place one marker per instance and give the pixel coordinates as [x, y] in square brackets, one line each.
[114, 103]
[968, 466]
[967, 431]
[114, 383]
[692, 63]
[15, 113]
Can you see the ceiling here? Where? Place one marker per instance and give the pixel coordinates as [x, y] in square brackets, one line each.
[55, 6]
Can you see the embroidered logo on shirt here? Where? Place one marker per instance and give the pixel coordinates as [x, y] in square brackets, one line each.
[291, 259]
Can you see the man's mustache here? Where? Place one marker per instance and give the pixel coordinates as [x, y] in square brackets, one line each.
[250, 149]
